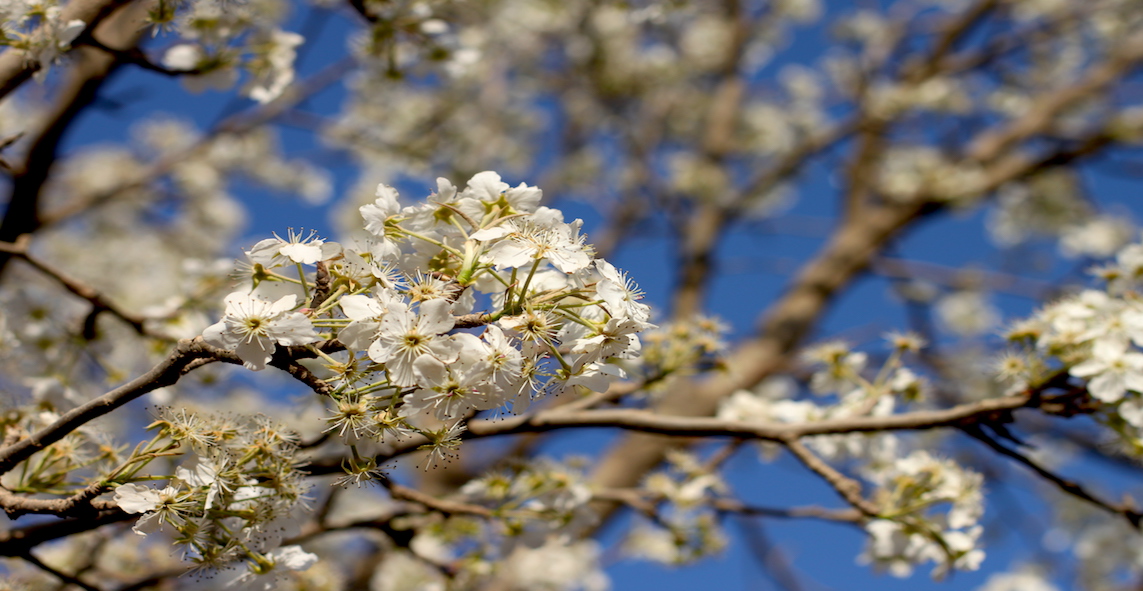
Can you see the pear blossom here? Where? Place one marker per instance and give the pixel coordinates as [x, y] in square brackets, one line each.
[451, 391]
[487, 186]
[1113, 371]
[544, 235]
[366, 314]
[616, 338]
[274, 67]
[403, 336]
[380, 219]
[292, 558]
[157, 505]
[252, 326]
[275, 252]
[504, 360]
[136, 498]
[621, 293]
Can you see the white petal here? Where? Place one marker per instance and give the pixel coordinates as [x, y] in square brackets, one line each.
[360, 307]
[430, 371]
[436, 317]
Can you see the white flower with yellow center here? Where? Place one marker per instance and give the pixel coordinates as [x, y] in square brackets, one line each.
[404, 336]
[252, 326]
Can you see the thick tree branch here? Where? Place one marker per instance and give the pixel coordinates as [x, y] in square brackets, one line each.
[82, 503]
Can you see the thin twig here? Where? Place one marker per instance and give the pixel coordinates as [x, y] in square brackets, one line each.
[645, 501]
[770, 556]
[1068, 486]
[405, 493]
[848, 488]
[66, 578]
[99, 302]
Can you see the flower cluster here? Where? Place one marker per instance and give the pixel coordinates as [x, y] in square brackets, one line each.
[236, 503]
[38, 29]
[687, 528]
[419, 357]
[1094, 335]
[537, 502]
[911, 530]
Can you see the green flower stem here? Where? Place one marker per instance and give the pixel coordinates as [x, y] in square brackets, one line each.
[305, 284]
[437, 243]
[523, 291]
[325, 356]
[508, 294]
[560, 358]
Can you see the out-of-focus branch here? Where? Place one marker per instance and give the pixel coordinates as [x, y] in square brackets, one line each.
[644, 502]
[701, 230]
[136, 57]
[90, 69]
[17, 542]
[99, 302]
[770, 556]
[951, 32]
[63, 577]
[236, 124]
[954, 277]
[405, 493]
[166, 373]
[1043, 111]
[787, 322]
[854, 245]
[1127, 511]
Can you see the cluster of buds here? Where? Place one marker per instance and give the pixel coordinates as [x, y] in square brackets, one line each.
[239, 500]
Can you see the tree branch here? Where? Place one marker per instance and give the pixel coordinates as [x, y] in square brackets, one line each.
[86, 76]
[17, 542]
[166, 373]
[405, 493]
[848, 488]
[99, 302]
[1070, 487]
[66, 578]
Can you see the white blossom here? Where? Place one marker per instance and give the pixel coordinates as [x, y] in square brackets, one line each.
[1113, 371]
[252, 326]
